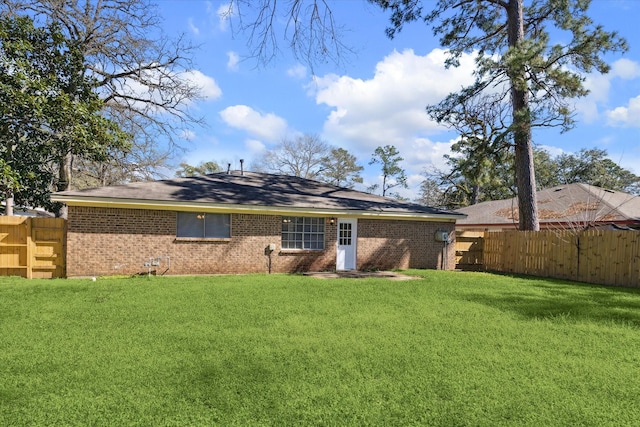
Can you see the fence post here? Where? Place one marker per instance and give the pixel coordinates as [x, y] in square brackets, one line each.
[30, 249]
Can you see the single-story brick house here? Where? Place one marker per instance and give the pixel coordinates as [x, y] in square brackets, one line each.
[243, 222]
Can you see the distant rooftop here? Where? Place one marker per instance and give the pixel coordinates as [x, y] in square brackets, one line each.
[576, 203]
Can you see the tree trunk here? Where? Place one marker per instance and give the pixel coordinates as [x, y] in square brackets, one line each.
[64, 181]
[475, 195]
[8, 207]
[525, 176]
[384, 185]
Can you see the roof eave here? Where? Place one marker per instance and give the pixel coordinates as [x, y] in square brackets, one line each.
[105, 202]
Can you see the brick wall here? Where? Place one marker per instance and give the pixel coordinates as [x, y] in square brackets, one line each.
[113, 241]
[386, 244]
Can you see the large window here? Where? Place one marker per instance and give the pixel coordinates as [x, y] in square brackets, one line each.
[302, 233]
[204, 226]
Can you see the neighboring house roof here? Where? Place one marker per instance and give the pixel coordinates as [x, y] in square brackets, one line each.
[250, 192]
[579, 204]
[27, 211]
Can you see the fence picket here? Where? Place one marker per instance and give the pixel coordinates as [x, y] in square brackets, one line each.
[608, 257]
[32, 247]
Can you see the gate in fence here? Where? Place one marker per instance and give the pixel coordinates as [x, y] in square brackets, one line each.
[32, 247]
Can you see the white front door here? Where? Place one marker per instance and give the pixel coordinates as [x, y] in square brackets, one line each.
[347, 237]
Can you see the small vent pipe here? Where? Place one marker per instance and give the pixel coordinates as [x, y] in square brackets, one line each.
[241, 166]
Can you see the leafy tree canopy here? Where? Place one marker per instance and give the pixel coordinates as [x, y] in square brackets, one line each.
[393, 175]
[460, 186]
[141, 74]
[49, 109]
[203, 168]
[339, 168]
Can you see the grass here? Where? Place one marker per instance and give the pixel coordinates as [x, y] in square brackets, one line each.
[447, 349]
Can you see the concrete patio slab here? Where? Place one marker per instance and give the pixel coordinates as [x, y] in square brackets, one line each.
[352, 274]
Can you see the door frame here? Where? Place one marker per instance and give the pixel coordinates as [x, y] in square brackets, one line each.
[347, 256]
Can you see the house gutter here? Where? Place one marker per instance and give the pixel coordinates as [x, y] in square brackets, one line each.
[249, 209]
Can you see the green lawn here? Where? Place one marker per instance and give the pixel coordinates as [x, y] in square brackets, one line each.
[447, 349]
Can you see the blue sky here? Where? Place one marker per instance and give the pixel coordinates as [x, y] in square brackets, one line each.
[377, 95]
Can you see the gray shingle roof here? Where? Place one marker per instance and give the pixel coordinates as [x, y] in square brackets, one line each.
[571, 203]
[253, 190]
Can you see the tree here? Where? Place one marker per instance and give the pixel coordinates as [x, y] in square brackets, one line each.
[592, 166]
[49, 111]
[340, 168]
[589, 166]
[466, 182]
[545, 167]
[515, 56]
[481, 151]
[141, 164]
[9, 184]
[431, 193]
[308, 156]
[203, 168]
[302, 157]
[393, 175]
[140, 74]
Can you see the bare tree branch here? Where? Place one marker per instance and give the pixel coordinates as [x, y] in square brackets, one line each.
[302, 156]
[310, 30]
[140, 72]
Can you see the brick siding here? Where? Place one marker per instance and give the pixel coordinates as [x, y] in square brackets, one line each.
[113, 241]
[386, 244]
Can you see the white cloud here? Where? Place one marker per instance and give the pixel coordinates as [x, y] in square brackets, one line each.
[224, 13]
[599, 86]
[188, 135]
[209, 88]
[232, 63]
[255, 147]
[194, 29]
[298, 71]
[389, 108]
[423, 151]
[554, 151]
[628, 116]
[625, 69]
[268, 126]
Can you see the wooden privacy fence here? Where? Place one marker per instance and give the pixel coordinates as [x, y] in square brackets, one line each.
[32, 247]
[469, 249]
[604, 257]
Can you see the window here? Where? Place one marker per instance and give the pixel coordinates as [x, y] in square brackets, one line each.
[204, 226]
[302, 233]
[344, 234]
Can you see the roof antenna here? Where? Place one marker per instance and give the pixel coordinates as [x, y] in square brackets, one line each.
[242, 167]
[228, 168]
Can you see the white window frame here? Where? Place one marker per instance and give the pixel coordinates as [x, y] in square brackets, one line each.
[302, 233]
